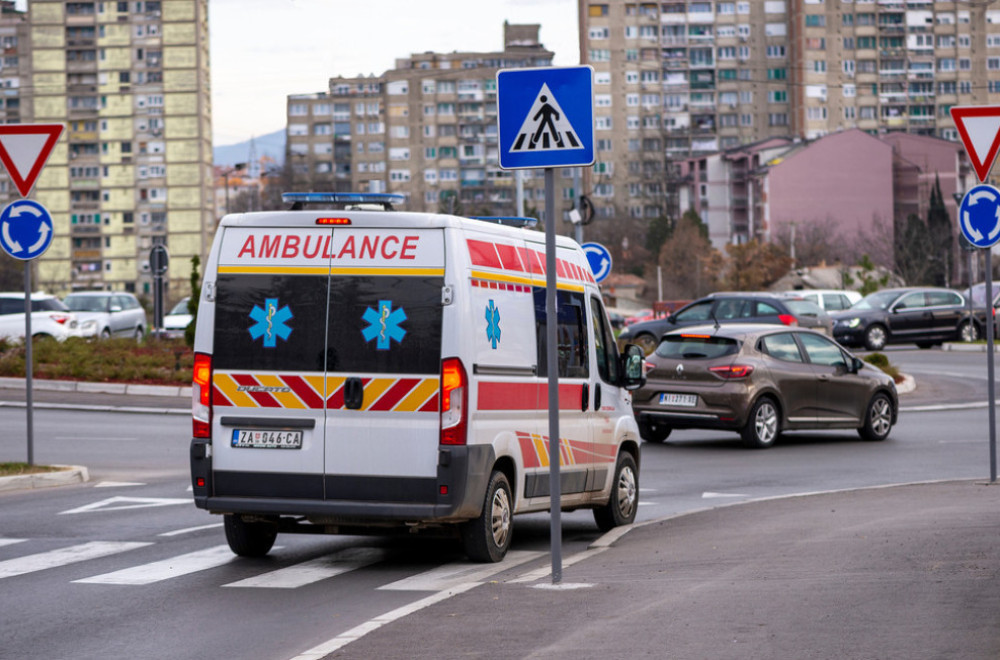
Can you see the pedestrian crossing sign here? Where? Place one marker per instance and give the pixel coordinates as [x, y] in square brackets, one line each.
[545, 117]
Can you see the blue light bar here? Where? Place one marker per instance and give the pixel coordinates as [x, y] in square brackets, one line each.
[298, 200]
[509, 221]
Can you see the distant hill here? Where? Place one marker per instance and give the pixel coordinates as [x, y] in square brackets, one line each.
[272, 144]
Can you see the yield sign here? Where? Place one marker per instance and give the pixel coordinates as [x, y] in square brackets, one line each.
[979, 127]
[24, 148]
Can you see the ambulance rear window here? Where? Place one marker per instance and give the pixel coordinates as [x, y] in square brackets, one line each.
[372, 324]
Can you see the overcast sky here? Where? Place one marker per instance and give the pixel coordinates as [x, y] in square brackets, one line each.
[264, 50]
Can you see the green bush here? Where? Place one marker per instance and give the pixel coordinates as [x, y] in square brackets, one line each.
[881, 360]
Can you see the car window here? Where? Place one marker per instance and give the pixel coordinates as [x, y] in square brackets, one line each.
[912, 300]
[87, 303]
[822, 351]
[692, 347]
[181, 307]
[11, 306]
[877, 300]
[767, 309]
[835, 301]
[47, 305]
[940, 298]
[803, 308]
[781, 347]
[695, 312]
[729, 309]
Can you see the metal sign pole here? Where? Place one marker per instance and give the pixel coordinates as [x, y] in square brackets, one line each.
[28, 361]
[552, 364]
[989, 365]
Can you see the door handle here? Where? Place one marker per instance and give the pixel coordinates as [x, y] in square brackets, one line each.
[823, 378]
[354, 393]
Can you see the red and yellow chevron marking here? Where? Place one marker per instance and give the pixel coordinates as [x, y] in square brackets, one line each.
[311, 391]
[523, 265]
[535, 451]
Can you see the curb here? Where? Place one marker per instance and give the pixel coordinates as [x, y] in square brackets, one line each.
[907, 386]
[72, 474]
[97, 388]
[963, 347]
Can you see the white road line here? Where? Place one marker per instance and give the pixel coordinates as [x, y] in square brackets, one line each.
[452, 575]
[299, 575]
[64, 556]
[4, 542]
[157, 571]
[188, 530]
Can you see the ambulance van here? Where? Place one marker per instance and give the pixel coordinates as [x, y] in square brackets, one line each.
[364, 370]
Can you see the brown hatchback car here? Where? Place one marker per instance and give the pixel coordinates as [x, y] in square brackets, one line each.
[760, 380]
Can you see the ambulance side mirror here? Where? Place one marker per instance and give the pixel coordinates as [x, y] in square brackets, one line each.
[633, 367]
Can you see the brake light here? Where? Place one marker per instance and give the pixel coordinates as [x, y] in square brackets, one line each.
[59, 318]
[201, 396]
[788, 319]
[333, 221]
[732, 371]
[454, 402]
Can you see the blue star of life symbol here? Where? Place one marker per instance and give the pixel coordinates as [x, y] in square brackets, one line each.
[384, 324]
[493, 323]
[271, 322]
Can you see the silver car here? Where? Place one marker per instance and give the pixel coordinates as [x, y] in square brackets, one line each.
[107, 314]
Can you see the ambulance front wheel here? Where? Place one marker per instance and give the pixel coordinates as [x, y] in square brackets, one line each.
[487, 538]
[621, 507]
[249, 539]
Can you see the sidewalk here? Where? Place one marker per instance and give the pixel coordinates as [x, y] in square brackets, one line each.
[896, 572]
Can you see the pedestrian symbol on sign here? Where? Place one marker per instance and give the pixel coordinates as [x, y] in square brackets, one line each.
[546, 128]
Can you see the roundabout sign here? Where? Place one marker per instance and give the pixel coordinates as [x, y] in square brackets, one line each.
[25, 229]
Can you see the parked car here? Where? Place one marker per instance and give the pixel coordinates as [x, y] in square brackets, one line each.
[761, 380]
[926, 316]
[49, 316]
[176, 322]
[977, 292]
[108, 314]
[729, 307]
[830, 300]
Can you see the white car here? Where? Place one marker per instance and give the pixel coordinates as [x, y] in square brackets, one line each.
[49, 316]
[107, 314]
[830, 300]
[177, 320]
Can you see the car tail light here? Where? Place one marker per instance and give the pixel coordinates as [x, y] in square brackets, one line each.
[59, 318]
[732, 371]
[788, 319]
[201, 396]
[333, 221]
[454, 402]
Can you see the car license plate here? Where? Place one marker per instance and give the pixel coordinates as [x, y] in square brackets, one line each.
[267, 439]
[687, 400]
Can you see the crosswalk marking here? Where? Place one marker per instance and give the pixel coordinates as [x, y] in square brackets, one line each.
[299, 575]
[156, 571]
[450, 576]
[64, 556]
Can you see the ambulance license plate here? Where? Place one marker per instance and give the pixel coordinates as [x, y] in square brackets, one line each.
[267, 439]
[671, 399]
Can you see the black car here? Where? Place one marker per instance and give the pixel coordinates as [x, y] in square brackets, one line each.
[729, 307]
[926, 316]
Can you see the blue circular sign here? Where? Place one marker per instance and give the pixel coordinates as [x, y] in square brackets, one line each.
[25, 229]
[599, 259]
[979, 215]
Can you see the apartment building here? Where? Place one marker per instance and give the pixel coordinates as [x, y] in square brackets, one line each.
[681, 79]
[129, 80]
[426, 129]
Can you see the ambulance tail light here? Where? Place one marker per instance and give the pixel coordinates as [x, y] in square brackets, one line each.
[201, 396]
[454, 402]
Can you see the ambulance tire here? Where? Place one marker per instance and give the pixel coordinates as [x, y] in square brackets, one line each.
[249, 539]
[624, 501]
[487, 538]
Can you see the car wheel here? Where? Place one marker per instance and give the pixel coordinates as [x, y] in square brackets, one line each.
[646, 342]
[654, 432]
[139, 334]
[878, 418]
[488, 537]
[249, 539]
[621, 507]
[968, 331]
[763, 425]
[875, 338]
[106, 333]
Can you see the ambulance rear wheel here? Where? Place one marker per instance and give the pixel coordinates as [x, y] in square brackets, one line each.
[249, 539]
[621, 507]
[487, 538]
